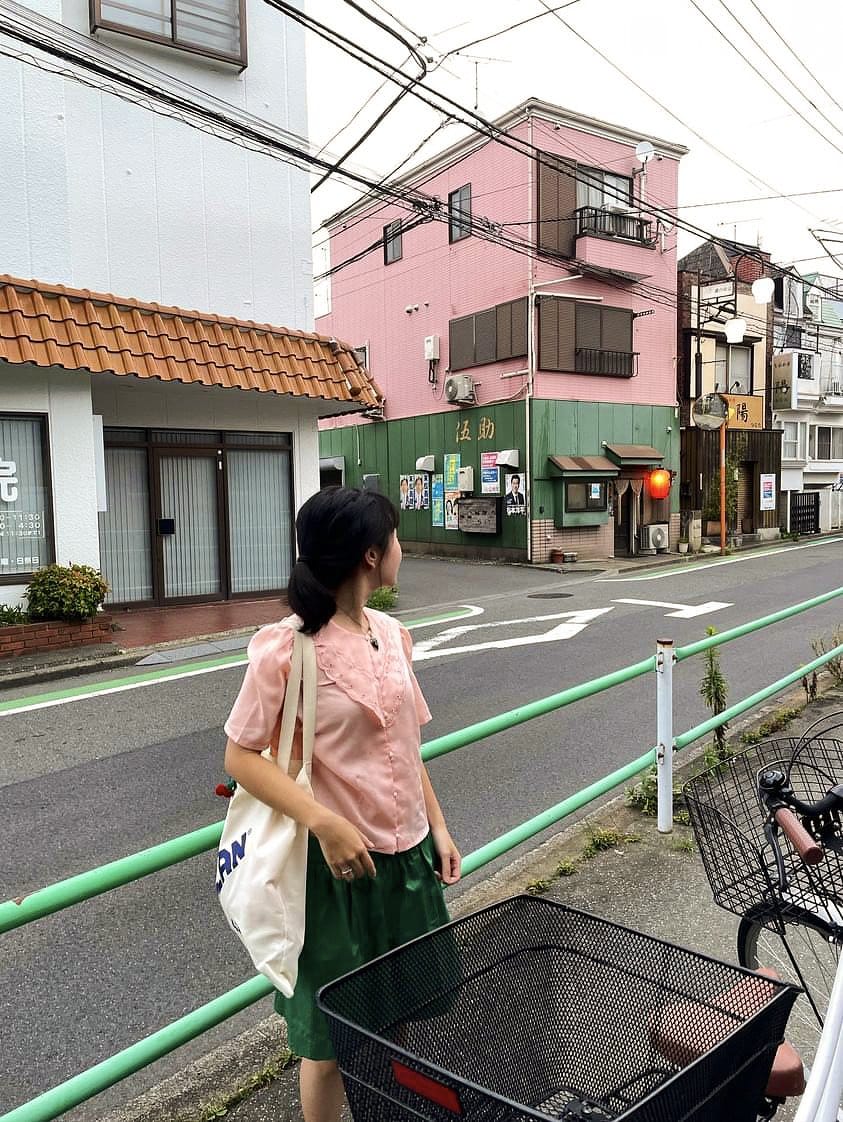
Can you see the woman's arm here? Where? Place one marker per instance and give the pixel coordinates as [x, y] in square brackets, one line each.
[449, 856]
[342, 844]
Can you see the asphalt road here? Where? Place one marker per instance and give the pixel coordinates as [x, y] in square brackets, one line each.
[87, 782]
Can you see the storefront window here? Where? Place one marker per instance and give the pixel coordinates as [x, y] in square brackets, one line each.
[25, 539]
[585, 496]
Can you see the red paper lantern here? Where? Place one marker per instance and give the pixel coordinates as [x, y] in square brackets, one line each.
[658, 483]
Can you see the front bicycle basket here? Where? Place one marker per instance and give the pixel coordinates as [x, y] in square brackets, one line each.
[728, 821]
[531, 1010]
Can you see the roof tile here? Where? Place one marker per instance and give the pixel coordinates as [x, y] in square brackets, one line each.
[52, 325]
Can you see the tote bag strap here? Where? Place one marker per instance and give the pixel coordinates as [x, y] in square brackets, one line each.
[300, 683]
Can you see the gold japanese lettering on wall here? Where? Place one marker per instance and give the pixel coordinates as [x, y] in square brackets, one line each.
[485, 429]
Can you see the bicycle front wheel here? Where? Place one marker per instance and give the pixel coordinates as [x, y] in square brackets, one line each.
[808, 956]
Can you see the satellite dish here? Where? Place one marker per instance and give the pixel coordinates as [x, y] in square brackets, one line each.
[711, 411]
[644, 151]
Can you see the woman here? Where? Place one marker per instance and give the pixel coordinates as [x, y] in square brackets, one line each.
[379, 848]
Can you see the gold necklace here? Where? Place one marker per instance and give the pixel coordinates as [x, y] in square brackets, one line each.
[365, 628]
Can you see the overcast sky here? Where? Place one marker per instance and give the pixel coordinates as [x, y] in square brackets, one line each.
[668, 49]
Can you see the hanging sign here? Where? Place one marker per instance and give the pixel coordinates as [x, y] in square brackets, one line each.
[768, 492]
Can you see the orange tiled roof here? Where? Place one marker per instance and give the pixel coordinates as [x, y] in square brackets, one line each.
[51, 325]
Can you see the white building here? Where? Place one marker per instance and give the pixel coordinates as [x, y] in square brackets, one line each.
[807, 399]
[201, 427]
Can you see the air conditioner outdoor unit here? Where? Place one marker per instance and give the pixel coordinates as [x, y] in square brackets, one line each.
[459, 388]
[654, 536]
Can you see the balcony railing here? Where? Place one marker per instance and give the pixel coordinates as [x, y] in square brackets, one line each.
[613, 223]
[615, 364]
[832, 386]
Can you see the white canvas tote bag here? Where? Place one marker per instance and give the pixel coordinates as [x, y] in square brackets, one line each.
[262, 855]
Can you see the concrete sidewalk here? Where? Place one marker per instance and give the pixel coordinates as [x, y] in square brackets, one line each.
[613, 863]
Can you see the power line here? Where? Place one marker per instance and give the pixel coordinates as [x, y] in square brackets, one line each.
[813, 77]
[506, 30]
[763, 198]
[763, 76]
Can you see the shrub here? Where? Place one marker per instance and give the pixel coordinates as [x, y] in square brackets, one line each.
[12, 616]
[65, 592]
[383, 599]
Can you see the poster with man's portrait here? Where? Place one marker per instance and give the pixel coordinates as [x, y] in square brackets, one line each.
[405, 492]
[515, 502]
[421, 492]
[452, 518]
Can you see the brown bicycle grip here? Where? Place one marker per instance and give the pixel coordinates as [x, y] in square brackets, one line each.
[810, 852]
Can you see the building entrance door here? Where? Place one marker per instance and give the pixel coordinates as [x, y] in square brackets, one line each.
[623, 522]
[188, 526]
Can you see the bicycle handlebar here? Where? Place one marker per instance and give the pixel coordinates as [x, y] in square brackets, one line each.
[810, 852]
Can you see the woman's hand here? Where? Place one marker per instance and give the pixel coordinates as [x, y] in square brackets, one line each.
[345, 849]
[450, 862]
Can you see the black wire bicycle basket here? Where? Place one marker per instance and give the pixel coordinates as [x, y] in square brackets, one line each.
[532, 1010]
[728, 821]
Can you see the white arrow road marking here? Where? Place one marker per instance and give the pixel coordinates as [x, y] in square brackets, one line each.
[575, 623]
[684, 611]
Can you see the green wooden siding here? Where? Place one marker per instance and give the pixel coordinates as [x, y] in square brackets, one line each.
[580, 428]
[391, 448]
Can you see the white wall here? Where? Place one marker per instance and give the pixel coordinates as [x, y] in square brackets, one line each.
[128, 402]
[66, 400]
[102, 194]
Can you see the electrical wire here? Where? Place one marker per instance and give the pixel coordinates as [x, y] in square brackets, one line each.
[505, 30]
[760, 73]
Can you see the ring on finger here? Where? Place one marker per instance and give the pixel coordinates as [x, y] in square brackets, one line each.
[346, 871]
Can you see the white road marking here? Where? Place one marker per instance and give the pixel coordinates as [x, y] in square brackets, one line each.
[685, 611]
[464, 611]
[574, 623]
[685, 570]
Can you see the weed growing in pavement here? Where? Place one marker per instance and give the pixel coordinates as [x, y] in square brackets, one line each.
[714, 691]
[220, 1106]
[683, 845]
[644, 795]
[602, 838]
[539, 887]
[779, 720]
[566, 868]
[821, 647]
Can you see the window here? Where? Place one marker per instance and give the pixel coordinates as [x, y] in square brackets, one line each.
[587, 496]
[602, 189]
[459, 214]
[215, 28]
[793, 440]
[733, 368]
[493, 335]
[585, 338]
[392, 248]
[25, 518]
[826, 442]
[557, 201]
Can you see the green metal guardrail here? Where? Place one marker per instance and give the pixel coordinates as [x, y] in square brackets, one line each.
[75, 889]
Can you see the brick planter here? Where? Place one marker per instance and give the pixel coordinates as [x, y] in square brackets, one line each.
[53, 635]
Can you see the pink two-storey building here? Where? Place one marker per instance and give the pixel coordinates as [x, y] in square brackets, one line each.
[524, 338]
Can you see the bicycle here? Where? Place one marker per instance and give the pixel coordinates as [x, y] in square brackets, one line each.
[529, 1010]
[789, 898]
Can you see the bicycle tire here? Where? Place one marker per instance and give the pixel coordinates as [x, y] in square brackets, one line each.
[815, 947]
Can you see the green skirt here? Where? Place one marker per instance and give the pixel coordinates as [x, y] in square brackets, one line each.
[348, 923]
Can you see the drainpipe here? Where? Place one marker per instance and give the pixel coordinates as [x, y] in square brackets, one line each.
[531, 343]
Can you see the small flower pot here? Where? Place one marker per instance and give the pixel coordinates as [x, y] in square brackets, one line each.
[682, 547]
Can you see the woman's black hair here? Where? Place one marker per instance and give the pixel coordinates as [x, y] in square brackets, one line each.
[334, 529]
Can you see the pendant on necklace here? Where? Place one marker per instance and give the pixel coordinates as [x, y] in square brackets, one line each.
[375, 644]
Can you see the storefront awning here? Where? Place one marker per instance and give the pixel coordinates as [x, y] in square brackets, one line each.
[74, 329]
[595, 466]
[633, 455]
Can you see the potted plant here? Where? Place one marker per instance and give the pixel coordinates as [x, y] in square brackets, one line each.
[682, 545]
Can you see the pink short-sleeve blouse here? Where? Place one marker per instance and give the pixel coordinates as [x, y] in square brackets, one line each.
[369, 709]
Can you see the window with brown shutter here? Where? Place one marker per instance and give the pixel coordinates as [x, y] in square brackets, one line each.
[511, 329]
[585, 338]
[489, 336]
[557, 201]
[556, 334]
[461, 343]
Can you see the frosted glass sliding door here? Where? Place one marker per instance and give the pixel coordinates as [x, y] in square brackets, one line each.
[260, 521]
[124, 528]
[189, 525]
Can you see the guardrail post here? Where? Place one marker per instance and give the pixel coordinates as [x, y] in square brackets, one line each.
[664, 728]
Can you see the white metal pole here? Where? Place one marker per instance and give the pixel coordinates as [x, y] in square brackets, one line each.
[664, 733]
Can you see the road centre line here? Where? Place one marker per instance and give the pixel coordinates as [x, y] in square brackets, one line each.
[170, 674]
[681, 570]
